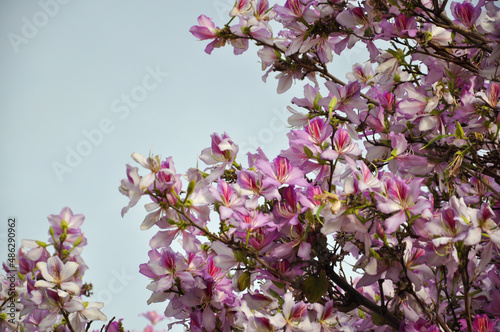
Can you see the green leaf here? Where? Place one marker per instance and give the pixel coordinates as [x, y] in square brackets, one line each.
[394, 53]
[308, 152]
[459, 131]
[172, 222]
[310, 216]
[240, 256]
[277, 296]
[316, 287]
[244, 281]
[361, 314]
[435, 139]
[319, 210]
[280, 285]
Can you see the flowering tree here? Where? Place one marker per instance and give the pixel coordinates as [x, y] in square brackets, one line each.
[395, 171]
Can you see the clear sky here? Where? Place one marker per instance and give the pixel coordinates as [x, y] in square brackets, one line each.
[85, 84]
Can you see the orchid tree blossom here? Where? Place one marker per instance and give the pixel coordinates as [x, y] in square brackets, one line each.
[57, 273]
[416, 209]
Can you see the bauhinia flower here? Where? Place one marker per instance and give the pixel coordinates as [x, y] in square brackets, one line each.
[67, 222]
[404, 197]
[89, 311]
[222, 153]
[342, 146]
[58, 275]
[281, 171]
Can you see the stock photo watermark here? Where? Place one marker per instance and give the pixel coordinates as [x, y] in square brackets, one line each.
[222, 8]
[31, 26]
[117, 284]
[10, 267]
[278, 123]
[121, 106]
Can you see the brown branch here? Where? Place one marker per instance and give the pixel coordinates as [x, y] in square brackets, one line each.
[360, 299]
[467, 304]
[66, 317]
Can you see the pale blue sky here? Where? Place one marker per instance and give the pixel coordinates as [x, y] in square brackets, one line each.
[131, 70]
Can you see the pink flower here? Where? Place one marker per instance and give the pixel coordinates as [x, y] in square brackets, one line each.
[134, 186]
[310, 98]
[465, 13]
[406, 26]
[251, 220]
[251, 183]
[281, 171]
[261, 10]
[348, 99]
[55, 299]
[163, 239]
[288, 207]
[342, 146]
[295, 315]
[414, 103]
[88, 311]
[207, 30]
[222, 153]
[492, 95]
[318, 130]
[153, 317]
[439, 35]
[223, 149]
[363, 74]
[326, 316]
[402, 196]
[168, 268]
[37, 253]
[481, 323]
[362, 179]
[388, 66]
[67, 222]
[56, 273]
[293, 10]
[229, 199]
[241, 7]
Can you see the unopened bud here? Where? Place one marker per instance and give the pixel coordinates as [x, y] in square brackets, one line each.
[64, 224]
[332, 104]
[191, 186]
[41, 244]
[78, 241]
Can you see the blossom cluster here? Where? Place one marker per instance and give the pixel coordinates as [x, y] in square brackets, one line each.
[50, 292]
[395, 170]
[41, 291]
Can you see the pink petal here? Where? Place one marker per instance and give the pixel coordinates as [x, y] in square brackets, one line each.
[393, 223]
[68, 270]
